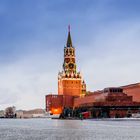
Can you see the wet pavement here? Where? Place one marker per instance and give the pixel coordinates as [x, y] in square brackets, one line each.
[47, 129]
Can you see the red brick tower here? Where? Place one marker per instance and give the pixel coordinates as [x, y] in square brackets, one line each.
[69, 80]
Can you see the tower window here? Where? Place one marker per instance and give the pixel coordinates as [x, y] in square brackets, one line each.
[66, 51]
[70, 51]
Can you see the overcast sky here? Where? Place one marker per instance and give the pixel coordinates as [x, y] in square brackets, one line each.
[105, 33]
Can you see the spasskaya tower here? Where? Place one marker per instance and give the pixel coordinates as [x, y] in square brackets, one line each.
[69, 80]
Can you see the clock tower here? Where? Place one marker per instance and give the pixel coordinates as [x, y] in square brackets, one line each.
[69, 80]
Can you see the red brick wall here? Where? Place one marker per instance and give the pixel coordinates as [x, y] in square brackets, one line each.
[68, 101]
[103, 98]
[71, 87]
[85, 100]
[53, 101]
[133, 90]
[58, 101]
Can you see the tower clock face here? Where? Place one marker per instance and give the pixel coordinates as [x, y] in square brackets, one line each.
[71, 65]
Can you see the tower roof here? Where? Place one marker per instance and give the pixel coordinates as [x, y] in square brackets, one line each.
[69, 40]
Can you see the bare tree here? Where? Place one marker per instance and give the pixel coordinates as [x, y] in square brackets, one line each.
[10, 112]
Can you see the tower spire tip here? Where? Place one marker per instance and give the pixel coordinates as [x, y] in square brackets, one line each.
[69, 27]
[69, 41]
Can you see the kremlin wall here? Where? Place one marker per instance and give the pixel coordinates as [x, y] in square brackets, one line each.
[72, 96]
[133, 90]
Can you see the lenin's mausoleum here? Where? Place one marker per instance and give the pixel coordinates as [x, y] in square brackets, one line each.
[72, 96]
